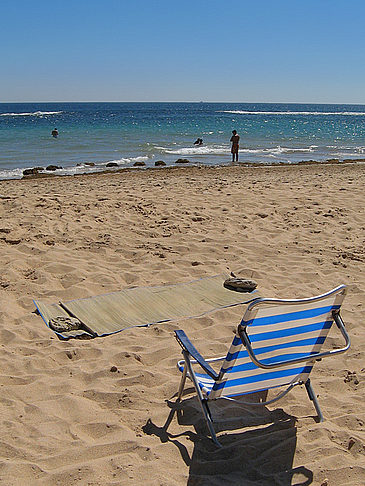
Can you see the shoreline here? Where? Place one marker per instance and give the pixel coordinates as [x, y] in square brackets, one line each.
[186, 164]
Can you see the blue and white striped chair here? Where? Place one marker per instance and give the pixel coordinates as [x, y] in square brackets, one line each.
[276, 344]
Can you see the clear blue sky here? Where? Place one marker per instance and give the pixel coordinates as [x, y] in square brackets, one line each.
[183, 50]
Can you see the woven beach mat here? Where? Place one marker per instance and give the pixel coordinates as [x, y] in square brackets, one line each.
[140, 306]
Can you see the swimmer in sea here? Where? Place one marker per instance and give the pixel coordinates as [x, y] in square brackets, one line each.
[54, 133]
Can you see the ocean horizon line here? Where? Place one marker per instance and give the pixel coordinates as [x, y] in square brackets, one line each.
[193, 102]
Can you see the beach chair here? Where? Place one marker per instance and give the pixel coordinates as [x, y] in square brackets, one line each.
[276, 344]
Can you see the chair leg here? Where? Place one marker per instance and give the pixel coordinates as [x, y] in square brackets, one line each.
[313, 398]
[202, 402]
[208, 418]
[182, 383]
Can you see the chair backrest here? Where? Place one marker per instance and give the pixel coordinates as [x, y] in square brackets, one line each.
[279, 330]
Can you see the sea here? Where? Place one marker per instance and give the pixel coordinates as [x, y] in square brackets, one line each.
[92, 135]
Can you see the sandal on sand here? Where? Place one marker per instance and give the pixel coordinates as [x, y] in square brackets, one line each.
[240, 284]
[64, 324]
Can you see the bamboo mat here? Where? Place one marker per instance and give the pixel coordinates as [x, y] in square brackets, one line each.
[142, 306]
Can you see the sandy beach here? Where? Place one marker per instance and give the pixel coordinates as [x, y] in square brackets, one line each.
[98, 412]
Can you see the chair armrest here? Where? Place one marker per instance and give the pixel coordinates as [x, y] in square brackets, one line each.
[247, 343]
[188, 347]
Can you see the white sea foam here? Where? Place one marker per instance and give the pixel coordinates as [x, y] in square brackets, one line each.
[241, 112]
[345, 149]
[289, 150]
[11, 174]
[35, 113]
[198, 150]
[80, 168]
[359, 150]
[278, 150]
[225, 149]
[126, 161]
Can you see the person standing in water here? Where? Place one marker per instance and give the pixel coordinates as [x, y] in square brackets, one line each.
[54, 133]
[235, 140]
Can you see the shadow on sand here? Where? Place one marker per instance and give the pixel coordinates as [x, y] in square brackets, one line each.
[261, 455]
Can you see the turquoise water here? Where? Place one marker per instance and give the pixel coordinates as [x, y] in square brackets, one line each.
[128, 132]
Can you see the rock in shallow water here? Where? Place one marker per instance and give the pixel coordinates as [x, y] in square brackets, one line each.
[27, 172]
[53, 167]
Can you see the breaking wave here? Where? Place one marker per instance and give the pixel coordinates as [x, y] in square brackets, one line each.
[80, 168]
[125, 161]
[35, 113]
[224, 150]
[343, 113]
[202, 150]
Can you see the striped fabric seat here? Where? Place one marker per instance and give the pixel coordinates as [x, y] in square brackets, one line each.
[205, 381]
[276, 344]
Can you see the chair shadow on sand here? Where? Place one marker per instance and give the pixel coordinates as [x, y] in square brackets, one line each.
[262, 455]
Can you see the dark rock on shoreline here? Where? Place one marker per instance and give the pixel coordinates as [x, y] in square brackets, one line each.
[182, 161]
[27, 172]
[53, 167]
[33, 171]
[139, 164]
[159, 163]
[111, 164]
